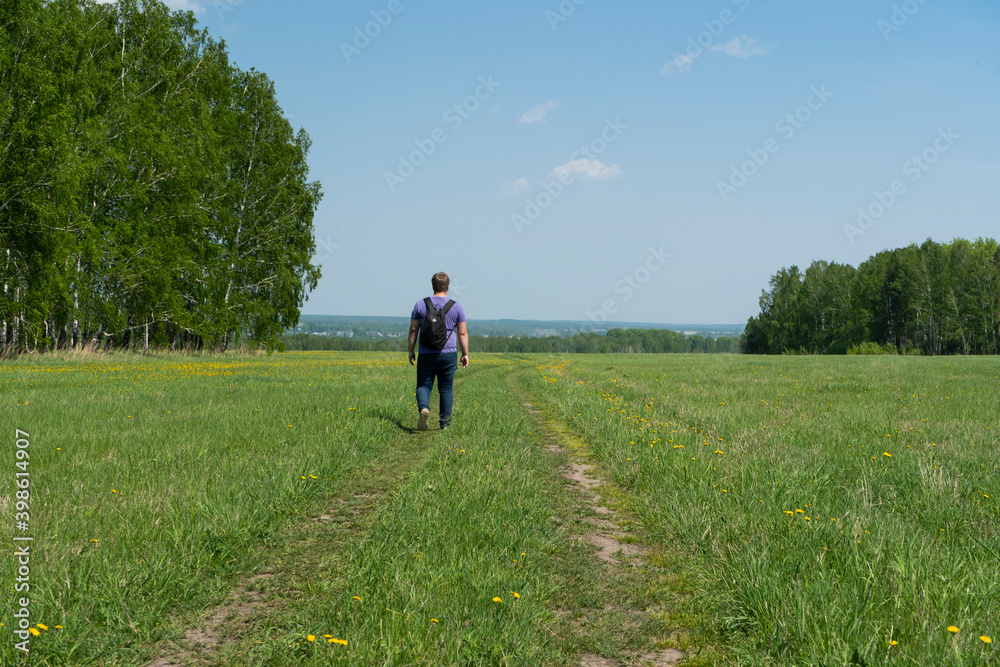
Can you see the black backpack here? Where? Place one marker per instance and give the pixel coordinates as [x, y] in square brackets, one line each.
[434, 332]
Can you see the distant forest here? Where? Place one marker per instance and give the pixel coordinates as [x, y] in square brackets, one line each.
[934, 299]
[152, 194]
[627, 341]
[378, 328]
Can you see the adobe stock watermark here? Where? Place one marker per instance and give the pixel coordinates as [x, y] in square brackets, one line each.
[363, 35]
[914, 169]
[899, 17]
[223, 7]
[630, 284]
[706, 39]
[455, 291]
[325, 249]
[582, 160]
[562, 13]
[786, 127]
[454, 116]
[22, 546]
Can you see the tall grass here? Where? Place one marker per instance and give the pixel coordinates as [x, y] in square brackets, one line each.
[837, 510]
[155, 480]
[458, 568]
[834, 511]
[159, 483]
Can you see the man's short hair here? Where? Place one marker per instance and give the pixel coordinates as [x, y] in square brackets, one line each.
[440, 282]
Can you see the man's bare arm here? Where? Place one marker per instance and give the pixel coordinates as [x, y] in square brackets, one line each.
[463, 342]
[412, 338]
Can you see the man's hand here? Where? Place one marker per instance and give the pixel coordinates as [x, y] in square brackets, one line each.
[464, 361]
[413, 356]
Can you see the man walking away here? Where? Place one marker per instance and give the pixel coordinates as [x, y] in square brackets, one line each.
[440, 324]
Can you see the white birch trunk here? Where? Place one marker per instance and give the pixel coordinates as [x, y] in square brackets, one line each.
[75, 342]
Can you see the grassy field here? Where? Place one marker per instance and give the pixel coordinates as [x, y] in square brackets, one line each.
[281, 510]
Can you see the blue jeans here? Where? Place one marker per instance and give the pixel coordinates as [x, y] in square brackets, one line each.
[442, 367]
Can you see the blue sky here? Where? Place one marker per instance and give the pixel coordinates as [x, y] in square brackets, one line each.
[723, 140]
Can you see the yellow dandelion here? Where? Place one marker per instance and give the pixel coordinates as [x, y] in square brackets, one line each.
[516, 596]
[327, 636]
[58, 627]
[887, 454]
[985, 639]
[34, 632]
[356, 598]
[952, 629]
[434, 620]
[43, 626]
[311, 638]
[497, 600]
[893, 643]
[798, 511]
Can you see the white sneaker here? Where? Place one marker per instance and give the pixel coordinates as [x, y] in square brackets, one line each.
[422, 422]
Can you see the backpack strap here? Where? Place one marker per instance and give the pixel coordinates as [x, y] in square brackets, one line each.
[444, 312]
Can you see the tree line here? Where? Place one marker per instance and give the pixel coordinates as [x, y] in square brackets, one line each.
[935, 298]
[152, 194]
[623, 341]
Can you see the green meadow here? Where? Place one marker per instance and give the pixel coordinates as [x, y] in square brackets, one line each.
[282, 510]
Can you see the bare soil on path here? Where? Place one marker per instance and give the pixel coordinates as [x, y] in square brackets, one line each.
[597, 521]
[614, 549]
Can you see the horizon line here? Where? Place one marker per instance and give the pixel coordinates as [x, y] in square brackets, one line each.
[511, 319]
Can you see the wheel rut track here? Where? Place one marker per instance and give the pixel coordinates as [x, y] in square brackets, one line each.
[586, 479]
[233, 620]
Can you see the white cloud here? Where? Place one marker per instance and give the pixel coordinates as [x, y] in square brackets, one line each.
[593, 170]
[681, 64]
[513, 188]
[737, 47]
[183, 5]
[539, 113]
[740, 47]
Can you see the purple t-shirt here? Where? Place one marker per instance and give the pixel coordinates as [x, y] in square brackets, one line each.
[451, 320]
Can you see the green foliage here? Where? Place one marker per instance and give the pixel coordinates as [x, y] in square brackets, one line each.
[930, 299]
[151, 194]
[869, 348]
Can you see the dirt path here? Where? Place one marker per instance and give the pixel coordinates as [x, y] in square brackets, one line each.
[613, 548]
[301, 551]
[313, 545]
